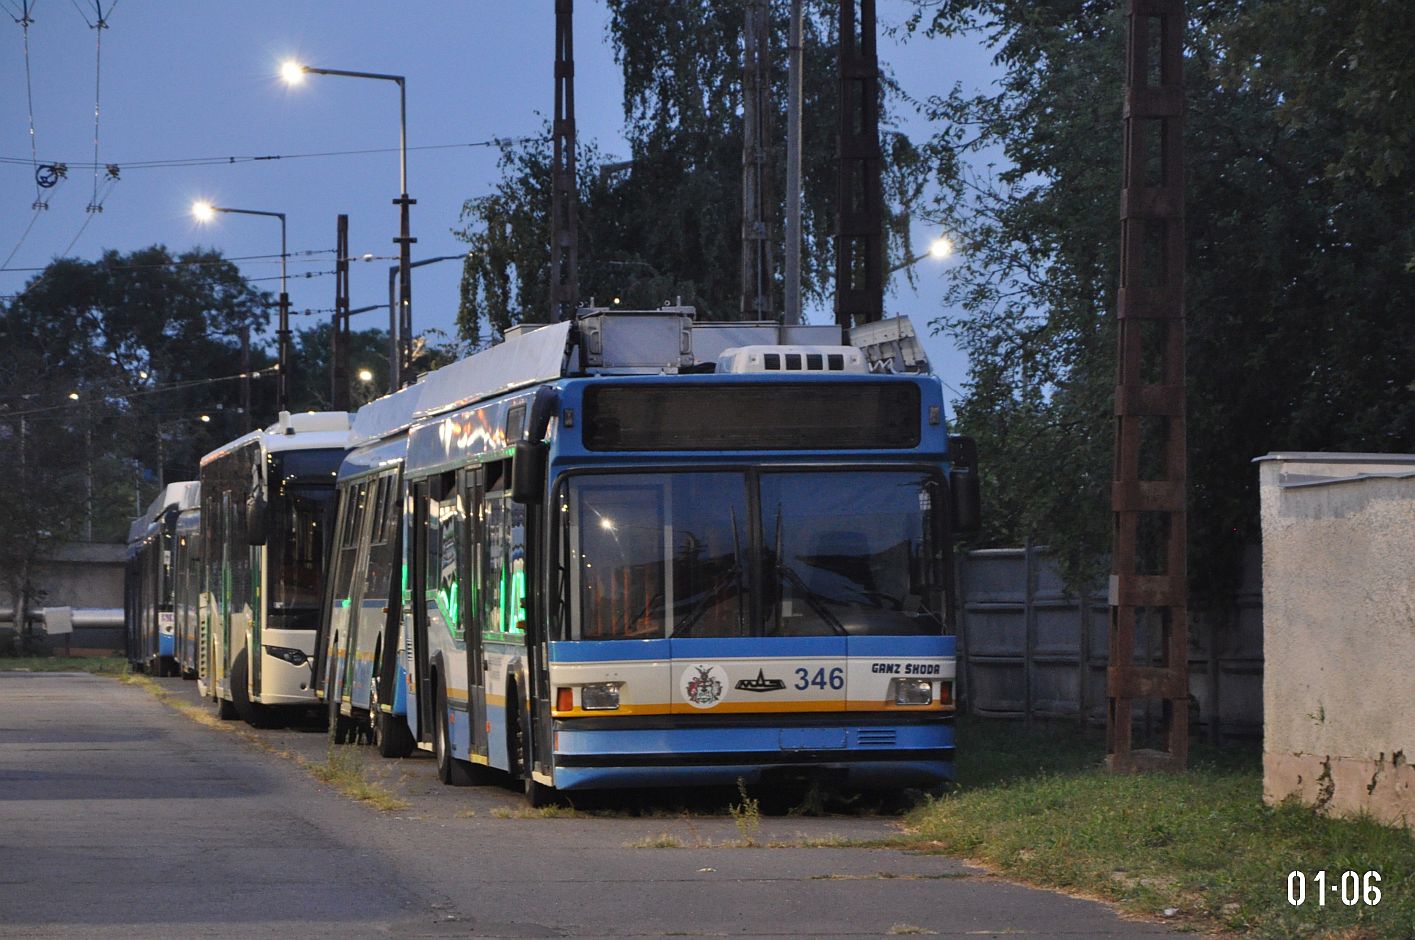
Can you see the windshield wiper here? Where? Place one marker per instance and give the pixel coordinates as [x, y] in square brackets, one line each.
[812, 599]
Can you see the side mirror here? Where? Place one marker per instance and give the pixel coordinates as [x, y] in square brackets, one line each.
[257, 521]
[964, 487]
[528, 471]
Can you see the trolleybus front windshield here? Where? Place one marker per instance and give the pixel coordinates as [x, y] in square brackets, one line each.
[731, 554]
[301, 521]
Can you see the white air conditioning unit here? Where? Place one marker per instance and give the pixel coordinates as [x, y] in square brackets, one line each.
[788, 359]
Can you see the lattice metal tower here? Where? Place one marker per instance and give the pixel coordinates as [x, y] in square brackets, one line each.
[859, 212]
[757, 202]
[1149, 577]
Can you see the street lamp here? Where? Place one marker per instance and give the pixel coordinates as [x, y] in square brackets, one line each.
[939, 249]
[294, 73]
[403, 341]
[204, 211]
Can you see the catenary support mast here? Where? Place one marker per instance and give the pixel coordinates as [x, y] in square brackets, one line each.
[859, 211]
[564, 242]
[1149, 580]
[757, 234]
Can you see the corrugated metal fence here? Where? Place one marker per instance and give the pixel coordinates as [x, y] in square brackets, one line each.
[1028, 649]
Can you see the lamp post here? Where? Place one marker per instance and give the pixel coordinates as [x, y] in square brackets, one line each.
[939, 249]
[400, 345]
[294, 73]
[204, 211]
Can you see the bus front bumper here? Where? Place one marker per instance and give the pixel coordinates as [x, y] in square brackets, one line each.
[591, 755]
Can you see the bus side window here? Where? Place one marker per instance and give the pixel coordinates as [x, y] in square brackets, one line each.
[442, 588]
[504, 582]
[349, 540]
[379, 570]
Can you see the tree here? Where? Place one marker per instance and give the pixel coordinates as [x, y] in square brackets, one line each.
[1298, 238]
[127, 352]
[310, 385]
[109, 366]
[666, 224]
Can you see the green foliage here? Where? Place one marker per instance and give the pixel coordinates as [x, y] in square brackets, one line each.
[746, 815]
[145, 341]
[311, 386]
[1298, 240]
[109, 366]
[1036, 805]
[667, 223]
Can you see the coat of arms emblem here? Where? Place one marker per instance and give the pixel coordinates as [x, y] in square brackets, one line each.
[703, 686]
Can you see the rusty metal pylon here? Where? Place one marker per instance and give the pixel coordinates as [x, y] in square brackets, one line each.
[859, 207]
[1148, 583]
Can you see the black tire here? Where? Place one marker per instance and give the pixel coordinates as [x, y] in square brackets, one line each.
[342, 728]
[450, 770]
[225, 710]
[391, 734]
[252, 713]
[537, 794]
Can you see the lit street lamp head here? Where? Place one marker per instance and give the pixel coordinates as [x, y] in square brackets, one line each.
[292, 72]
[365, 375]
[941, 248]
[203, 211]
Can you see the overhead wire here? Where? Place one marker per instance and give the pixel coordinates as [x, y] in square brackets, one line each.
[34, 217]
[98, 28]
[25, 21]
[252, 158]
[5, 412]
[177, 262]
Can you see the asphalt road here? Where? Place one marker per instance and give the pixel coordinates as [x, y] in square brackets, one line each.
[120, 816]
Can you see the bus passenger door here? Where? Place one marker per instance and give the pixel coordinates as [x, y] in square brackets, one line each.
[471, 487]
[421, 698]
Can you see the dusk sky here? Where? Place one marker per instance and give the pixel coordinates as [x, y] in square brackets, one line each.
[183, 80]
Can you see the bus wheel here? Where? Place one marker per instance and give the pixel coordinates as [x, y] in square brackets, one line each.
[342, 728]
[225, 710]
[391, 734]
[252, 713]
[537, 793]
[450, 770]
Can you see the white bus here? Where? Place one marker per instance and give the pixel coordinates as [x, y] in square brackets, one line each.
[186, 583]
[150, 580]
[267, 504]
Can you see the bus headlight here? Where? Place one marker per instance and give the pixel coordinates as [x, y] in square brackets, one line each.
[600, 697]
[913, 692]
[292, 656]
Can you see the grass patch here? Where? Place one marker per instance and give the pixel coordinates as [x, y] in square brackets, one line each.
[664, 840]
[98, 665]
[1037, 805]
[747, 815]
[553, 811]
[343, 771]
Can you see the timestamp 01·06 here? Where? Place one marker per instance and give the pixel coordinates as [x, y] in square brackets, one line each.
[1352, 887]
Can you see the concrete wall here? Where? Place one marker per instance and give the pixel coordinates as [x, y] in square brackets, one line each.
[1339, 631]
[79, 574]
